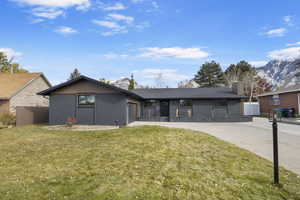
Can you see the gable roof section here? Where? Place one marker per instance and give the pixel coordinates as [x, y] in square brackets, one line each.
[187, 93]
[11, 84]
[99, 83]
[294, 88]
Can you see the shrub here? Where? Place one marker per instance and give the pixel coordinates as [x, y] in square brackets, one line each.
[8, 119]
[71, 121]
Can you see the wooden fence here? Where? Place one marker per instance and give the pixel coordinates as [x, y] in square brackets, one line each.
[31, 115]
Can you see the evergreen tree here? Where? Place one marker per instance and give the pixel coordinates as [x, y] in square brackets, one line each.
[7, 66]
[210, 75]
[74, 74]
[131, 83]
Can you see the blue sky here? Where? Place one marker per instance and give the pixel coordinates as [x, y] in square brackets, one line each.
[112, 39]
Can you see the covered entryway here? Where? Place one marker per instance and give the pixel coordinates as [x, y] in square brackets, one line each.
[132, 112]
[164, 110]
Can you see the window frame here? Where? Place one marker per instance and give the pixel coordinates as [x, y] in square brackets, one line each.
[86, 96]
[182, 103]
[276, 100]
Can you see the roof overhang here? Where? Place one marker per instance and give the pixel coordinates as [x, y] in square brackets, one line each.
[279, 92]
[67, 83]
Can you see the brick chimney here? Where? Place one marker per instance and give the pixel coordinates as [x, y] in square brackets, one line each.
[237, 88]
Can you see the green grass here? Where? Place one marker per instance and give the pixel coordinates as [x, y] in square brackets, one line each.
[133, 163]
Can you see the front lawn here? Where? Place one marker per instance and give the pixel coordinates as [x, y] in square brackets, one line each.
[133, 163]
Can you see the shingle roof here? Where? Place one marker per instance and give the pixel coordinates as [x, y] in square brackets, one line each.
[294, 88]
[187, 93]
[10, 84]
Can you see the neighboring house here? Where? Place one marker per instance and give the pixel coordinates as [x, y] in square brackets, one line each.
[285, 98]
[94, 102]
[20, 90]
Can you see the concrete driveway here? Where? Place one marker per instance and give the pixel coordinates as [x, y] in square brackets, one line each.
[254, 136]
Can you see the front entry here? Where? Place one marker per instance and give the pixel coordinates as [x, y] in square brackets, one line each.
[164, 110]
[132, 112]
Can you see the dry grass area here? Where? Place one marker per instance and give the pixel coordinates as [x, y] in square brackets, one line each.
[133, 163]
[80, 128]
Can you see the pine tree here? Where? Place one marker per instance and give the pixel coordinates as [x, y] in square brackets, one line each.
[131, 83]
[210, 75]
[74, 74]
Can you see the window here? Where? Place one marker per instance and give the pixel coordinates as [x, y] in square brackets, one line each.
[86, 100]
[185, 102]
[275, 100]
[185, 109]
[149, 103]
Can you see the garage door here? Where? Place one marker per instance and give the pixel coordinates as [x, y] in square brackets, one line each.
[132, 112]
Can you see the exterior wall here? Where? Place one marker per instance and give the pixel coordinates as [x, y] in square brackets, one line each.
[202, 111]
[31, 115]
[4, 106]
[61, 107]
[287, 100]
[84, 87]
[108, 108]
[28, 96]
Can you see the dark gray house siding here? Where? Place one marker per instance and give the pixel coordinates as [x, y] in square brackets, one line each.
[108, 109]
[200, 111]
[93, 102]
[59, 110]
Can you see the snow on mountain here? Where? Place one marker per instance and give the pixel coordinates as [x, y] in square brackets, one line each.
[280, 73]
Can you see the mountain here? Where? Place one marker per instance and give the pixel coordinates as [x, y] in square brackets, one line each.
[280, 73]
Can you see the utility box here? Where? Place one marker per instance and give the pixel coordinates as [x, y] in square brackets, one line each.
[251, 109]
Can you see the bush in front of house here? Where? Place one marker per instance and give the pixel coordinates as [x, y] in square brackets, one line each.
[7, 119]
[71, 121]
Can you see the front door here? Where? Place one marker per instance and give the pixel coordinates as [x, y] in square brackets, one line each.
[164, 110]
[132, 112]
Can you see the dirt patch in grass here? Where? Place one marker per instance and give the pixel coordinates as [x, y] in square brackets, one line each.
[133, 163]
[80, 128]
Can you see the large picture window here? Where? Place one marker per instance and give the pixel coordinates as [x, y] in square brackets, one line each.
[86, 100]
[185, 109]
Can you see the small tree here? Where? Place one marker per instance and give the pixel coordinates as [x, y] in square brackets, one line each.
[103, 80]
[74, 74]
[131, 85]
[7, 65]
[210, 75]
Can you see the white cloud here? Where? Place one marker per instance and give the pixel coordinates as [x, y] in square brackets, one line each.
[65, 30]
[258, 63]
[154, 7]
[114, 55]
[115, 27]
[276, 32]
[116, 6]
[49, 13]
[287, 53]
[35, 21]
[107, 24]
[174, 52]
[288, 20]
[56, 3]
[293, 44]
[118, 17]
[10, 53]
[51, 9]
[137, 1]
[164, 74]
